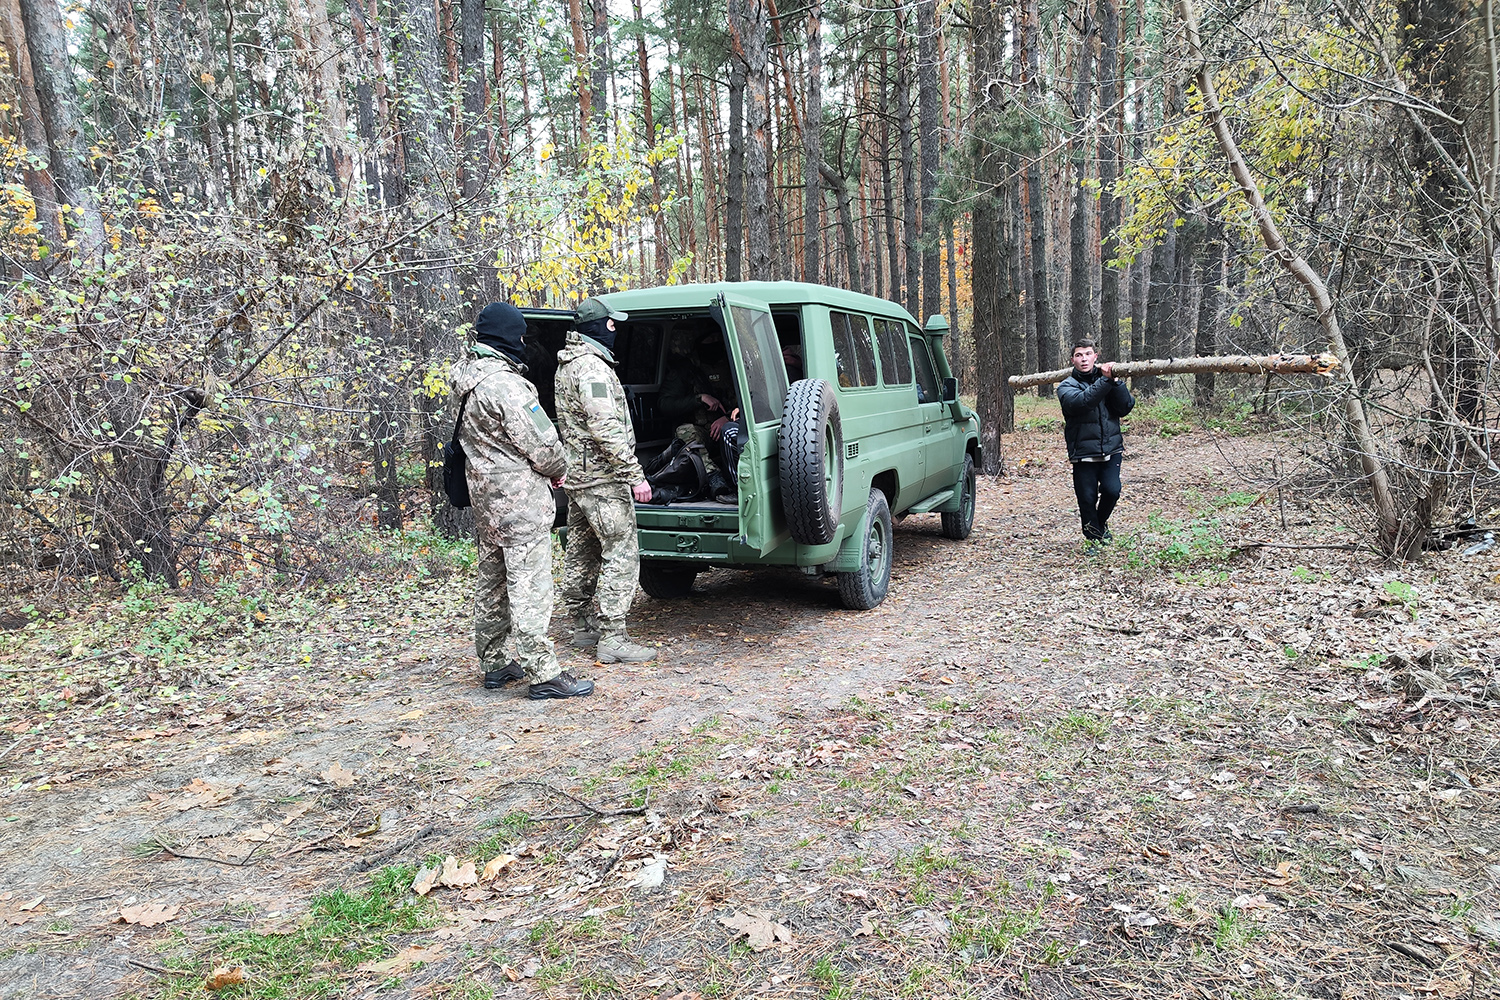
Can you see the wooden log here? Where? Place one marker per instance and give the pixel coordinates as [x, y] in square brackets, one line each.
[1279, 364]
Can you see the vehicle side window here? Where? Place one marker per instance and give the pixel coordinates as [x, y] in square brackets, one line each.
[637, 347]
[895, 363]
[765, 376]
[852, 349]
[927, 383]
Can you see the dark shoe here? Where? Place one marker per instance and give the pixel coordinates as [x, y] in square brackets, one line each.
[499, 678]
[720, 488]
[564, 685]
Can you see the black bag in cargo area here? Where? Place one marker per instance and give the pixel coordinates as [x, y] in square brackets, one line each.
[677, 474]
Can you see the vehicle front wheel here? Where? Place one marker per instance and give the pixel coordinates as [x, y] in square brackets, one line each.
[958, 524]
[865, 587]
[667, 581]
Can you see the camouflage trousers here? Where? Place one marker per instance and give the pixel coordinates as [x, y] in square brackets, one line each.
[600, 562]
[698, 434]
[513, 599]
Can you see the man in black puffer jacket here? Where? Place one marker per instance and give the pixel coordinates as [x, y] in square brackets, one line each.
[1093, 401]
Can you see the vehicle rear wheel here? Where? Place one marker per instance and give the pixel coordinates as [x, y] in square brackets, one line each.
[865, 587]
[667, 581]
[958, 524]
[810, 458]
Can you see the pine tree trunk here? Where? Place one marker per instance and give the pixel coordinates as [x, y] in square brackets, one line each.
[1047, 351]
[886, 182]
[987, 257]
[812, 138]
[930, 108]
[758, 217]
[1210, 283]
[1081, 325]
[1109, 156]
[734, 189]
[911, 251]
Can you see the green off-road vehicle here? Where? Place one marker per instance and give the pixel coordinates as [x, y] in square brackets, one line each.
[871, 429]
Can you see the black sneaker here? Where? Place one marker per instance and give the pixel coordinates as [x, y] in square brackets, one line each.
[564, 685]
[499, 678]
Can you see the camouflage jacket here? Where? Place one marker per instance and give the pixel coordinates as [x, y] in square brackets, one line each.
[512, 448]
[593, 416]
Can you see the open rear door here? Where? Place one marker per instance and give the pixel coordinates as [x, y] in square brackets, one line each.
[751, 335]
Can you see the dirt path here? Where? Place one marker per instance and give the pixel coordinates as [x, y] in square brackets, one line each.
[1159, 770]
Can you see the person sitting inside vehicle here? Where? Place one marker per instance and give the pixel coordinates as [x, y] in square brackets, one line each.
[791, 356]
[698, 391]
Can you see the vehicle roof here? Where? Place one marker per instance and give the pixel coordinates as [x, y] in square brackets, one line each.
[773, 293]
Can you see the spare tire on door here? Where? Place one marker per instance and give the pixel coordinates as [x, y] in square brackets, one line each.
[810, 456]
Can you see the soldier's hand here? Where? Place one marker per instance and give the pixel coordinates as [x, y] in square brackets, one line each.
[1108, 369]
[716, 429]
[557, 483]
[642, 491]
[712, 403]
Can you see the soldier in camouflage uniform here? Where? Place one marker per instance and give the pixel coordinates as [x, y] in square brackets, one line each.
[604, 480]
[513, 454]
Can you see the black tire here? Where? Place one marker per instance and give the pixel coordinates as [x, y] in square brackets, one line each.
[810, 457]
[865, 587]
[958, 524]
[667, 581]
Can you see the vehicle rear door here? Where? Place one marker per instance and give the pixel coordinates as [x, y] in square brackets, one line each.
[751, 334]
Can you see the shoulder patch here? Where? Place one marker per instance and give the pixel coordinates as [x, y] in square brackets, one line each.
[540, 418]
[598, 390]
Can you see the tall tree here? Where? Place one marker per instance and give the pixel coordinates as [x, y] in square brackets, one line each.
[1081, 230]
[1047, 351]
[928, 97]
[57, 103]
[758, 216]
[812, 138]
[911, 250]
[1109, 158]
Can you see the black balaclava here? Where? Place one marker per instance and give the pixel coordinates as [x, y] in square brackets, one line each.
[598, 331]
[502, 327]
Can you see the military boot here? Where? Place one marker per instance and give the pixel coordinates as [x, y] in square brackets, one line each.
[619, 649]
[504, 675]
[585, 630]
[564, 685]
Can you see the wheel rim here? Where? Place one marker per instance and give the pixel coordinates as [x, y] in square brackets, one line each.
[830, 460]
[968, 506]
[876, 548]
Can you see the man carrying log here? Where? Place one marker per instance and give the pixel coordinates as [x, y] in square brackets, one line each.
[1093, 401]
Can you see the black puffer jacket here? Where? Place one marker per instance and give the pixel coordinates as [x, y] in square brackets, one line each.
[1092, 406]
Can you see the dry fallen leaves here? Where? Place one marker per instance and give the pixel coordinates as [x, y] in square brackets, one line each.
[200, 793]
[338, 776]
[225, 976]
[403, 959]
[760, 930]
[416, 744]
[147, 914]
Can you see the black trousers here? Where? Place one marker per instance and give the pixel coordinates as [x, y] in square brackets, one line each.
[1097, 486]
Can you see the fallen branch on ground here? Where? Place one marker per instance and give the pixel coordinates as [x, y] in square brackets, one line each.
[592, 809]
[1279, 364]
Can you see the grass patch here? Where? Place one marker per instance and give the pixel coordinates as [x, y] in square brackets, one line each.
[341, 930]
[1077, 725]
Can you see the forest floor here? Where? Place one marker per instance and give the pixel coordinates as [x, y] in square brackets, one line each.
[1175, 767]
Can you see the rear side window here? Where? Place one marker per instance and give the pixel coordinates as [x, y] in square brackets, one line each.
[852, 349]
[636, 348]
[927, 384]
[765, 378]
[895, 363]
